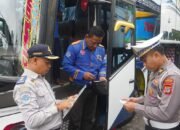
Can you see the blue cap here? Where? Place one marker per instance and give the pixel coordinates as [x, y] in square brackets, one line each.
[147, 45]
[41, 50]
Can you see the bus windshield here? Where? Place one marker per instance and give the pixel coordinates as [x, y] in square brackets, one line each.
[7, 55]
[18, 22]
[9, 49]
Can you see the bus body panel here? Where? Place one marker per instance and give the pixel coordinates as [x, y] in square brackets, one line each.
[121, 86]
[8, 116]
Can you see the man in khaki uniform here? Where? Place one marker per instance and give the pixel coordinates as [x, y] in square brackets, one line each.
[160, 105]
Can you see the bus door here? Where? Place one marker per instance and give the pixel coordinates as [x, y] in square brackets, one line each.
[72, 22]
[121, 62]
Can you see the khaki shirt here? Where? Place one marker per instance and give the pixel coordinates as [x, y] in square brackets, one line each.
[36, 101]
[161, 102]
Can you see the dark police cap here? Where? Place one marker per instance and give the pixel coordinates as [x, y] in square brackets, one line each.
[41, 50]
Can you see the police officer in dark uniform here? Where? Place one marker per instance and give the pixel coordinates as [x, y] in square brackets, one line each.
[85, 61]
[161, 103]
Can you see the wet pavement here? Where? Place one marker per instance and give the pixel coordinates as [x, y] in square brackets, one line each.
[136, 123]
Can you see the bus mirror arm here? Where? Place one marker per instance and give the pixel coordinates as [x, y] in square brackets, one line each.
[131, 81]
[125, 24]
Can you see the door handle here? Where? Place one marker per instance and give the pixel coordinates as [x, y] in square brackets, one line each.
[131, 81]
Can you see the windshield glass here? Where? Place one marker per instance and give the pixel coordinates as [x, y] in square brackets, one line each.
[18, 22]
[10, 31]
[8, 51]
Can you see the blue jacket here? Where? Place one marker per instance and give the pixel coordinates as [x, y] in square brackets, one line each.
[80, 59]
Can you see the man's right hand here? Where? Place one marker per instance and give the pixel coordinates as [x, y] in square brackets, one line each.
[64, 105]
[131, 99]
[130, 106]
[89, 76]
[134, 99]
[67, 103]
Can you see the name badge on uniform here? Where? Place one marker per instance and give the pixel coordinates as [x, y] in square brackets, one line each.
[155, 83]
[82, 52]
[99, 57]
[151, 92]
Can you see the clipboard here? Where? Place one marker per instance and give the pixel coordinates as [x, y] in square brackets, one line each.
[66, 112]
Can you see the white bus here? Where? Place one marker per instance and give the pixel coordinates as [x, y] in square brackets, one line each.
[58, 23]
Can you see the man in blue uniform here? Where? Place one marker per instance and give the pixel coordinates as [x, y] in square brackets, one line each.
[85, 61]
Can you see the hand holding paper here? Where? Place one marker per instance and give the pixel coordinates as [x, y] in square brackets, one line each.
[123, 101]
[66, 103]
[128, 104]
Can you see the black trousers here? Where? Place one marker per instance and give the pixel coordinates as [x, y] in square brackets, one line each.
[83, 112]
[151, 128]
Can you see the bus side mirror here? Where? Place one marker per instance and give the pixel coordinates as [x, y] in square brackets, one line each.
[125, 24]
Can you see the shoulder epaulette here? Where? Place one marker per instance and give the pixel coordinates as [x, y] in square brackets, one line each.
[76, 42]
[161, 71]
[21, 80]
[100, 45]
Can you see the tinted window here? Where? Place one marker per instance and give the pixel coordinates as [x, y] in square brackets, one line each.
[121, 39]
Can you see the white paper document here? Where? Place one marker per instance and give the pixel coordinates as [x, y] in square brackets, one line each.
[123, 101]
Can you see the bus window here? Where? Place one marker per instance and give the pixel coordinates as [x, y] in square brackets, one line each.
[103, 19]
[125, 12]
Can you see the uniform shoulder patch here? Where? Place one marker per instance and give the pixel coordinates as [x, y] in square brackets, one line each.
[76, 42]
[100, 45]
[25, 97]
[21, 80]
[168, 86]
